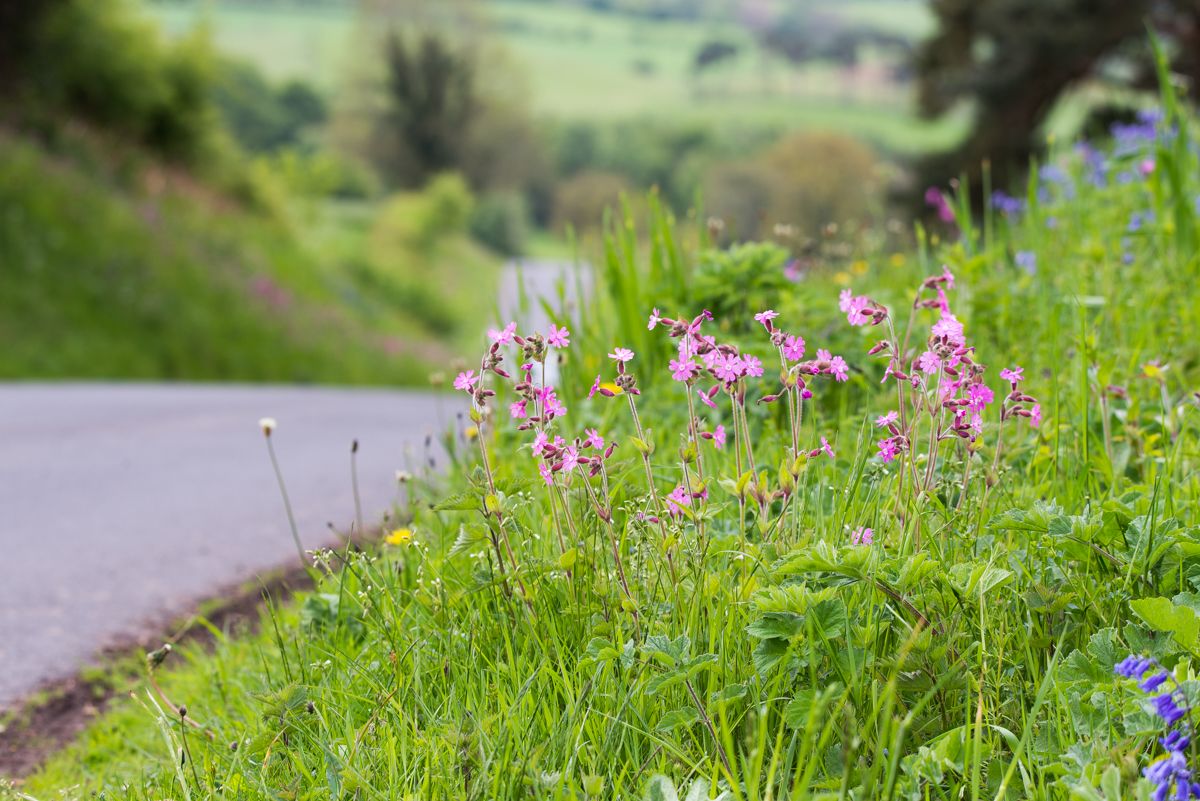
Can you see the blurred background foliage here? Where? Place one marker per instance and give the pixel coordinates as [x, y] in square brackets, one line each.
[382, 158]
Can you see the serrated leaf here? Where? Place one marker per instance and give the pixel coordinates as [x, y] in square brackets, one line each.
[458, 502]
[684, 716]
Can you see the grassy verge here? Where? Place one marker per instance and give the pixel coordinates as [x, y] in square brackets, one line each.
[116, 267]
[800, 621]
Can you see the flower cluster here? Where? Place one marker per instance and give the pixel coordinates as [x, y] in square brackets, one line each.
[1171, 776]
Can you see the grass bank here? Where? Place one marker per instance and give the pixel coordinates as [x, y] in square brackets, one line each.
[117, 266]
[905, 572]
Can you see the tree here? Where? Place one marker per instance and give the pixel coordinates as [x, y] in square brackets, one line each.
[1014, 58]
[432, 104]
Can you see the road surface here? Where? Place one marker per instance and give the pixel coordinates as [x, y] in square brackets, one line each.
[121, 505]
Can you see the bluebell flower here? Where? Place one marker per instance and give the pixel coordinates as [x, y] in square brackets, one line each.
[1139, 219]
[1166, 708]
[1027, 261]
[1054, 174]
[1175, 741]
[1132, 667]
[1172, 773]
[1006, 204]
[1153, 682]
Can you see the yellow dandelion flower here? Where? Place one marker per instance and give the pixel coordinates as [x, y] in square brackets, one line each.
[842, 278]
[859, 267]
[611, 387]
[897, 260]
[400, 536]
[471, 432]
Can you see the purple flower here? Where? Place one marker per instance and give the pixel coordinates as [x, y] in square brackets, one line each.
[886, 419]
[654, 320]
[1166, 708]
[887, 449]
[517, 410]
[862, 536]
[1172, 777]
[1027, 261]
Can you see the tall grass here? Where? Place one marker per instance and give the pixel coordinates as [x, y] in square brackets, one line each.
[675, 617]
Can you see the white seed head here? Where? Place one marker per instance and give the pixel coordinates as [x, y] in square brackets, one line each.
[267, 424]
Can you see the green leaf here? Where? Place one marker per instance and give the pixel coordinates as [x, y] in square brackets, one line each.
[684, 716]
[726, 695]
[566, 560]
[1181, 622]
[458, 502]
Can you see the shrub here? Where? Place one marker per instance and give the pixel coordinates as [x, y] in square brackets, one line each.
[418, 221]
[95, 58]
[806, 180]
[582, 199]
[501, 222]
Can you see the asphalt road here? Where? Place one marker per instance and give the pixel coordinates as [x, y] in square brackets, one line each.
[122, 505]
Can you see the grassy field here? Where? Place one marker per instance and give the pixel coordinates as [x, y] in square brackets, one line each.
[763, 600]
[584, 65]
[116, 267]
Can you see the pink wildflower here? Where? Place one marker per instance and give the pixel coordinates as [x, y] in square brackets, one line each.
[793, 348]
[719, 437]
[950, 328]
[654, 320]
[765, 317]
[595, 388]
[845, 298]
[886, 419]
[517, 410]
[752, 366]
[1035, 415]
[621, 355]
[684, 369]
[594, 440]
[677, 499]
[837, 366]
[552, 406]
[1013, 375]
[466, 381]
[504, 335]
[979, 396]
[728, 369]
[863, 536]
[706, 400]
[570, 459]
[558, 337]
[547, 475]
[887, 449]
[928, 362]
[539, 443]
